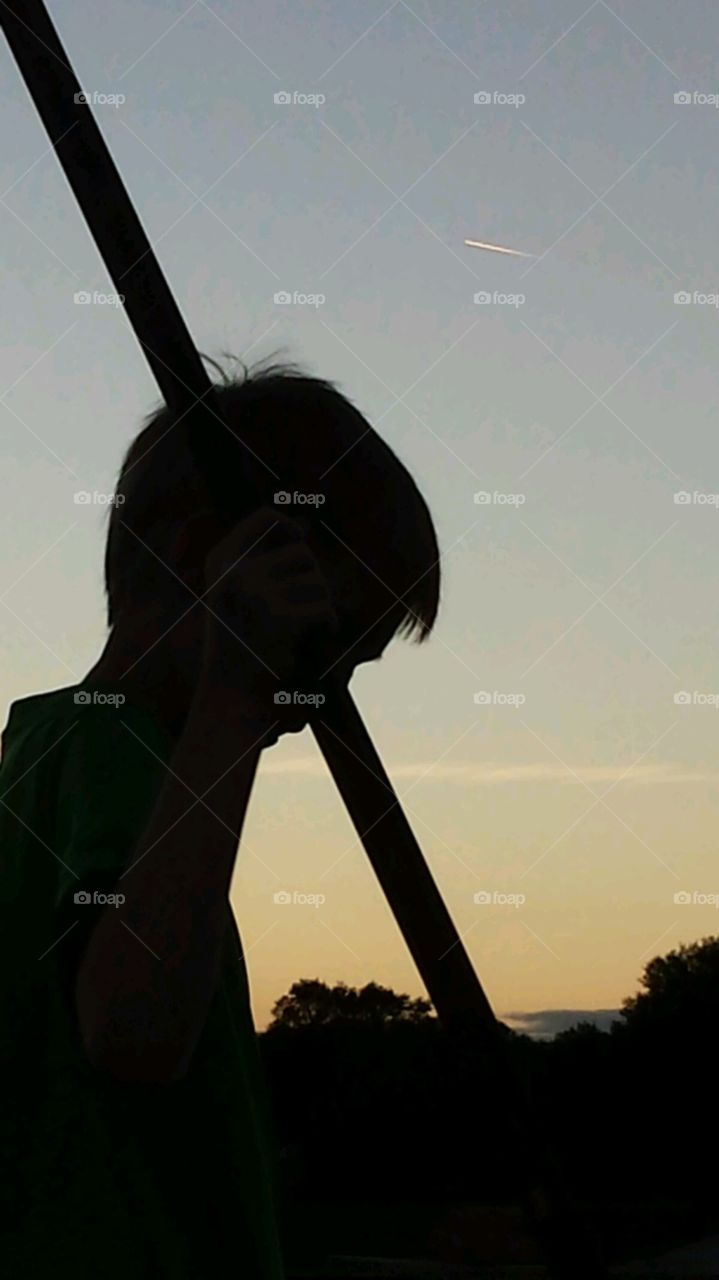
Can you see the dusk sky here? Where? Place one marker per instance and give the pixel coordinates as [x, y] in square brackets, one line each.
[576, 391]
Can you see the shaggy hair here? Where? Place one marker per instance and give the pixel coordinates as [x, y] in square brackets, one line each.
[300, 434]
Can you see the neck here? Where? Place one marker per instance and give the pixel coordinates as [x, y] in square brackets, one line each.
[149, 673]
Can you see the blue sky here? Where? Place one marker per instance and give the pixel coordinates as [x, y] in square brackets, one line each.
[592, 395]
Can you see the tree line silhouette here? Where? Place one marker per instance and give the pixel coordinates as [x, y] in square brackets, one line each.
[371, 1104]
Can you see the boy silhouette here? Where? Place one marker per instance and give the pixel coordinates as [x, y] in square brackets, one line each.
[135, 1135]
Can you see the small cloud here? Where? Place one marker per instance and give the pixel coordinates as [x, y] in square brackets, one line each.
[543, 1024]
[488, 774]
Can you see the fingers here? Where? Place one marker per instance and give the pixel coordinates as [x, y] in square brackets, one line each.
[266, 586]
[264, 533]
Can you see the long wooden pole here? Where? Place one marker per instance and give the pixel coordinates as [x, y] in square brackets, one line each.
[372, 804]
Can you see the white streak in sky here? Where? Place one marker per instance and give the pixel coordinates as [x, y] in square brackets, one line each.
[498, 248]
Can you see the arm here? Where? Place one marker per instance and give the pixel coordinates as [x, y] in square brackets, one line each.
[149, 971]
[148, 974]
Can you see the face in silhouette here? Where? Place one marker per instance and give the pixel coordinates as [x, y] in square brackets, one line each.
[368, 615]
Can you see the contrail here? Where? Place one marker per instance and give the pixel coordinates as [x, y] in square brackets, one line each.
[498, 248]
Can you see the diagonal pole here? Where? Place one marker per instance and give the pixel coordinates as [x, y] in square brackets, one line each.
[359, 775]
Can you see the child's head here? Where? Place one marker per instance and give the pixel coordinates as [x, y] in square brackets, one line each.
[364, 518]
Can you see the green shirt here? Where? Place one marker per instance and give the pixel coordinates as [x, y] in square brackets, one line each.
[100, 1178]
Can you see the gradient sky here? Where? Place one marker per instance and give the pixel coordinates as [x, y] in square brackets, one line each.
[594, 398]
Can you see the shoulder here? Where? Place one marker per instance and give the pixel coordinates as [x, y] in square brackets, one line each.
[79, 738]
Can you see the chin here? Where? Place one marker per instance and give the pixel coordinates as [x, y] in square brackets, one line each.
[279, 731]
[294, 726]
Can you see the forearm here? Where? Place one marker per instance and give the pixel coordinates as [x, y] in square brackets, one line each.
[151, 966]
